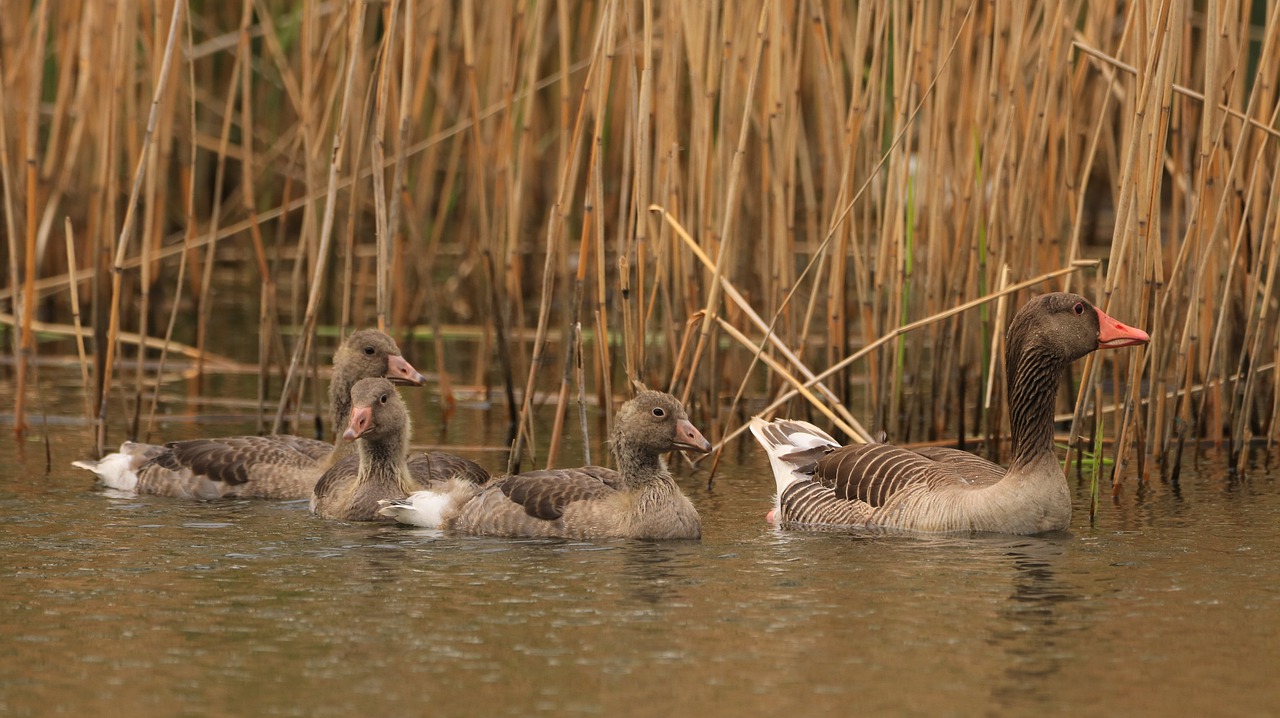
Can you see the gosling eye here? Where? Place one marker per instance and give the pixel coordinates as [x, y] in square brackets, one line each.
[382, 399]
[370, 351]
[658, 412]
[1078, 308]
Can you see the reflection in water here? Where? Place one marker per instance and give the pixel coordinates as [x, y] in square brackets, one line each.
[651, 571]
[1035, 620]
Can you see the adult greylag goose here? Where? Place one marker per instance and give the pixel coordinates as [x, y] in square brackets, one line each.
[278, 466]
[638, 500]
[880, 486]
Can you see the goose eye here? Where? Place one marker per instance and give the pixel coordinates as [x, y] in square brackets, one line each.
[1078, 308]
[369, 351]
[658, 412]
[383, 399]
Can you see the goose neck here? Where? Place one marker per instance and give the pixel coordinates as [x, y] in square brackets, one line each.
[1033, 382]
[638, 466]
[385, 462]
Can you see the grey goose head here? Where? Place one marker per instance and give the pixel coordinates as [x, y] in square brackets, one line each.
[655, 423]
[377, 412]
[371, 353]
[1067, 326]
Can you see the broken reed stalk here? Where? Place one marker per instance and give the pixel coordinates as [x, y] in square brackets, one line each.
[869, 348]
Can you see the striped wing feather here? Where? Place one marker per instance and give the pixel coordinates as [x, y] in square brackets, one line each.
[875, 473]
[974, 469]
[230, 459]
[545, 494]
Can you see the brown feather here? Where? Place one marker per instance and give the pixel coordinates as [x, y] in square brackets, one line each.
[545, 494]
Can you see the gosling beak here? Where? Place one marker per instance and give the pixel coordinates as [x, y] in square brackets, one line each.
[1113, 334]
[689, 438]
[361, 421]
[400, 371]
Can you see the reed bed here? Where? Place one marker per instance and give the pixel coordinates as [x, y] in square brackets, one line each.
[809, 208]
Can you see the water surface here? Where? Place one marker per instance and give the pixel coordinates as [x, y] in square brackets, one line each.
[145, 606]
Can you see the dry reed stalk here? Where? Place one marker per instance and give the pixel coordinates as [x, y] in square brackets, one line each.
[126, 228]
[383, 227]
[568, 176]
[189, 224]
[26, 342]
[590, 221]
[302, 347]
[402, 129]
[725, 236]
[267, 308]
[11, 232]
[204, 305]
[75, 318]
[898, 158]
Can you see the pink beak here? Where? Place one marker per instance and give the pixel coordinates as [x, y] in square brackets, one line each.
[1113, 334]
[400, 371]
[361, 421]
[688, 437]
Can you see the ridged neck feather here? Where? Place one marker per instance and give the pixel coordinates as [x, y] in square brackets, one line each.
[1033, 369]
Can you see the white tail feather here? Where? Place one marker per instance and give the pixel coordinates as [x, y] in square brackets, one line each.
[117, 470]
[421, 508]
[791, 445]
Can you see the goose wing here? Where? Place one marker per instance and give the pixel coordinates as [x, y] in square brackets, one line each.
[875, 473]
[546, 494]
[972, 468]
[230, 459]
[437, 467]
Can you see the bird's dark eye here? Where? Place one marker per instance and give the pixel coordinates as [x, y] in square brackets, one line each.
[1078, 308]
[658, 412]
[383, 398]
[369, 351]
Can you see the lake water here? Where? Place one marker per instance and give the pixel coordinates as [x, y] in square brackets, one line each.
[144, 606]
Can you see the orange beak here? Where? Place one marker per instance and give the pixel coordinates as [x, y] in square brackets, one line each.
[1113, 334]
[361, 421]
[400, 371]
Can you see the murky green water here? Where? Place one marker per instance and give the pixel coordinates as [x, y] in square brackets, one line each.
[158, 607]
